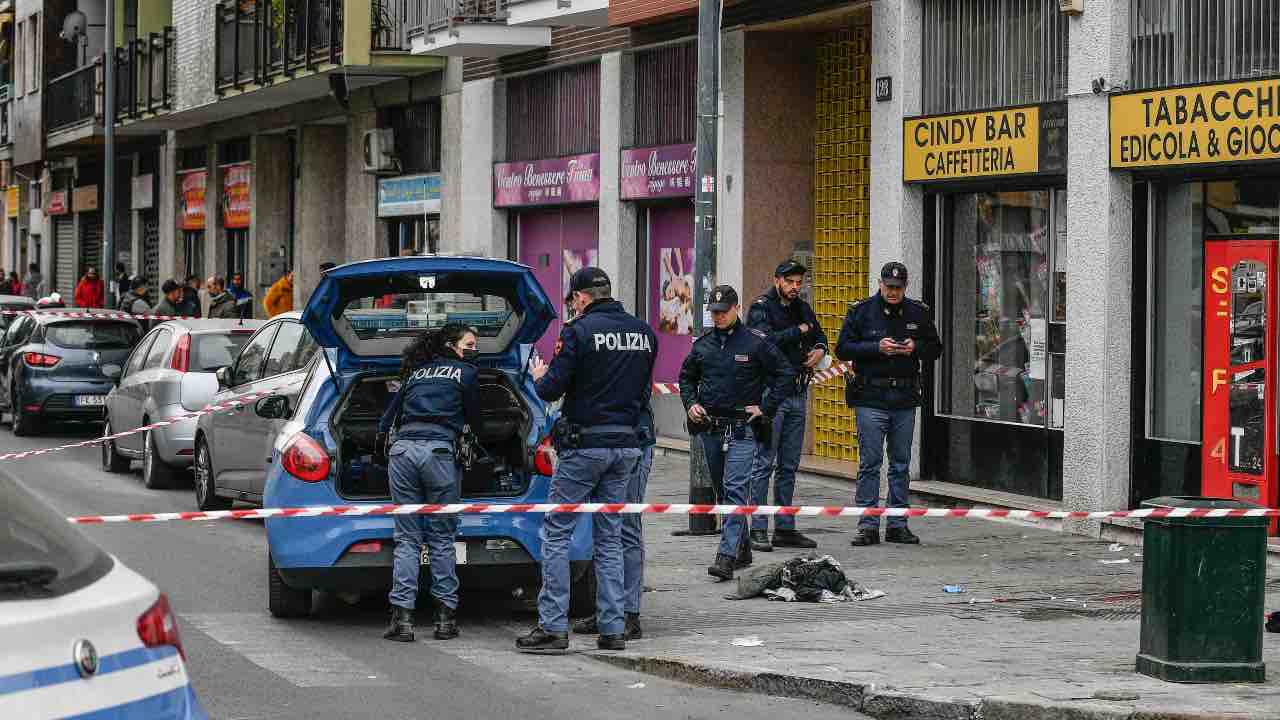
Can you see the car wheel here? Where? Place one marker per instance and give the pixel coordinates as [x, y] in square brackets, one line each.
[112, 461]
[282, 600]
[156, 473]
[206, 498]
[582, 593]
[23, 424]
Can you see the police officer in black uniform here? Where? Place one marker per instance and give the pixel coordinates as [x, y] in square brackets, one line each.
[604, 372]
[791, 325]
[722, 385]
[437, 397]
[889, 338]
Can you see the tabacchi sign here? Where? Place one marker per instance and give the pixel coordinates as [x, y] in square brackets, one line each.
[992, 143]
[1201, 125]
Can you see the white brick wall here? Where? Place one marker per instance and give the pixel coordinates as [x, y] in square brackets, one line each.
[196, 55]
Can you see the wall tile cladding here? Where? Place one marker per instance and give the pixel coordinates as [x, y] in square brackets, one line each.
[196, 54]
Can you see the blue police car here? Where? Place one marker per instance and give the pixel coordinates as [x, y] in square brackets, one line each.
[363, 315]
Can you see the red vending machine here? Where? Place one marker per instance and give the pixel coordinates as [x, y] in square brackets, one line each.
[1239, 451]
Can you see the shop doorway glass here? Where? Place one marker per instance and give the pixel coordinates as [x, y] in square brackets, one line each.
[412, 235]
[193, 248]
[237, 252]
[670, 286]
[1239, 451]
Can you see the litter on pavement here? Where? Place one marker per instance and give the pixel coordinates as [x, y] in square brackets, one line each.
[953, 589]
[1121, 561]
[809, 578]
[1116, 547]
[748, 641]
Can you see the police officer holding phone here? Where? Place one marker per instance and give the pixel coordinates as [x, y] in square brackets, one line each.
[604, 372]
[722, 386]
[889, 338]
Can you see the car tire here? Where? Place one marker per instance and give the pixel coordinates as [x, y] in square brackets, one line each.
[206, 498]
[582, 593]
[23, 424]
[112, 461]
[284, 601]
[156, 473]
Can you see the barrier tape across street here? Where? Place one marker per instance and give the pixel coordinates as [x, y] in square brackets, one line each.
[670, 509]
[835, 371]
[109, 314]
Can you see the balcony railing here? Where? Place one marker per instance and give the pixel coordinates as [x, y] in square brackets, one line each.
[145, 72]
[73, 99]
[259, 40]
[428, 16]
[6, 121]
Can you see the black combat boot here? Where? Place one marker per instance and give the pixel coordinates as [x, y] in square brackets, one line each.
[723, 568]
[901, 536]
[446, 623]
[760, 541]
[586, 626]
[401, 627]
[611, 642]
[792, 539]
[866, 537]
[539, 641]
[744, 558]
[633, 627]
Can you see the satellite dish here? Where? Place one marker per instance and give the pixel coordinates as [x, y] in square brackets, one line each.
[73, 26]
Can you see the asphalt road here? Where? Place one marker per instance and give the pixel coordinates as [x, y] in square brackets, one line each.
[246, 664]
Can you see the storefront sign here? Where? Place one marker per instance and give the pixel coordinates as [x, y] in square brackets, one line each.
[58, 204]
[191, 203]
[143, 192]
[659, 172]
[409, 195]
[85, 199]
[557, 181]
[995, 143]
[11, 201]
[1202, 125]
[237, 205]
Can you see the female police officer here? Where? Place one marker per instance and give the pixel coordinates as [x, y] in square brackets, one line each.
[437, 396]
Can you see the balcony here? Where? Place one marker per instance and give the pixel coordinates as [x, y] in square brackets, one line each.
[146, 80]
[592, 13]
[470, 28]
[6, 117]
[73, 105]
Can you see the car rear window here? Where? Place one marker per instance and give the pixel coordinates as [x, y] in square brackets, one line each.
[33, 534]
[92, 335]
[210, 351]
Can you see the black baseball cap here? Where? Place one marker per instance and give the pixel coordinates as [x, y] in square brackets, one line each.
[587, 278]
[790, 267]
[723, 297]
[137, 282]
[894, 274]
[169, 286]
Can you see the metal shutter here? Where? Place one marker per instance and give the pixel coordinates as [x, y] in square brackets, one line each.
[151, 248]
[64, 257]
[90, 242]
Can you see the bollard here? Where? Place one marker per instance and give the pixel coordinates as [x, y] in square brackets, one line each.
[1202, 594]
[701, 491]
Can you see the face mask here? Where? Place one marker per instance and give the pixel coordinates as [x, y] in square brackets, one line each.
[470, 354]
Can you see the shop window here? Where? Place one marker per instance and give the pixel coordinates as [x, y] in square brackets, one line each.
[1248, 207]
[193, 245]
[1175, 313]
[193, 158]
[417, 136]
[234, 151]
[1184, 43]
[1003, 323]
[412, 235]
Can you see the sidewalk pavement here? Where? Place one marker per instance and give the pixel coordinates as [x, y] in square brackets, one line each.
[1060, 644]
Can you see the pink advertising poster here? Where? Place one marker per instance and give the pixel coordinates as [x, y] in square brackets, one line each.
[671, 287]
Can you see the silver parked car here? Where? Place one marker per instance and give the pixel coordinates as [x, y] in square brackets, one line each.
[171, 372]
[233, 447]
[13, 302]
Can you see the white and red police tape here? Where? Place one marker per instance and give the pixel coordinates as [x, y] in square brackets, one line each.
[109, 314]
[668, 509]
[835, 371]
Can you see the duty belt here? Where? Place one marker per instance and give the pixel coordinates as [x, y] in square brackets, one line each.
[892, 382]
[608, 429]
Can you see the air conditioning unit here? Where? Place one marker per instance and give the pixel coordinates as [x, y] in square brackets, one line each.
[380, 152]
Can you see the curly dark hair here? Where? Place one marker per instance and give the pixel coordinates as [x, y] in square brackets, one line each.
[430, 345]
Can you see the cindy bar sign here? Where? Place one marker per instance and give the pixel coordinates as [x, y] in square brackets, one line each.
[993, 143]
[1199, 125]
[555, 181]
[658, 172]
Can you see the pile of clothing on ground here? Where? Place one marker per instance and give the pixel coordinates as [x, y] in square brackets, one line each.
[809, 578]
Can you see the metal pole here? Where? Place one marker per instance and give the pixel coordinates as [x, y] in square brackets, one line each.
[107, 274]
[705, 229]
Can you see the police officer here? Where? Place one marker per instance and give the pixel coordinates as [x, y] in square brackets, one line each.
[889, 338]
[722, 385]
[793, 327]
[437, 397]
[604, 372]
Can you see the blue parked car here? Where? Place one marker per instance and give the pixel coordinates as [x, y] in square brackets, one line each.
[324, 452]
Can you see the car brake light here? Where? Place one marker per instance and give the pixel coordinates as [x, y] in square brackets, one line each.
[158, 627]
[182, 354]
[545, 458]
[372, 546]
[304, 459]
[35, 359]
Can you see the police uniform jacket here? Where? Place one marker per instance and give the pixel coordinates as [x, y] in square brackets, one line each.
[889, 382]
[782, 324]
[435, 401]
[728, 370]
[604, 370]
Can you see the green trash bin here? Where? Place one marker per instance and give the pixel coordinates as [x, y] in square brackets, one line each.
[1202, 594]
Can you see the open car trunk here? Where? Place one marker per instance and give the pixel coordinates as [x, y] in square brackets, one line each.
[502, 470]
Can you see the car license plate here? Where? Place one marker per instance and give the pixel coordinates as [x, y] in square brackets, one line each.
[459, 554]
[91, 400]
